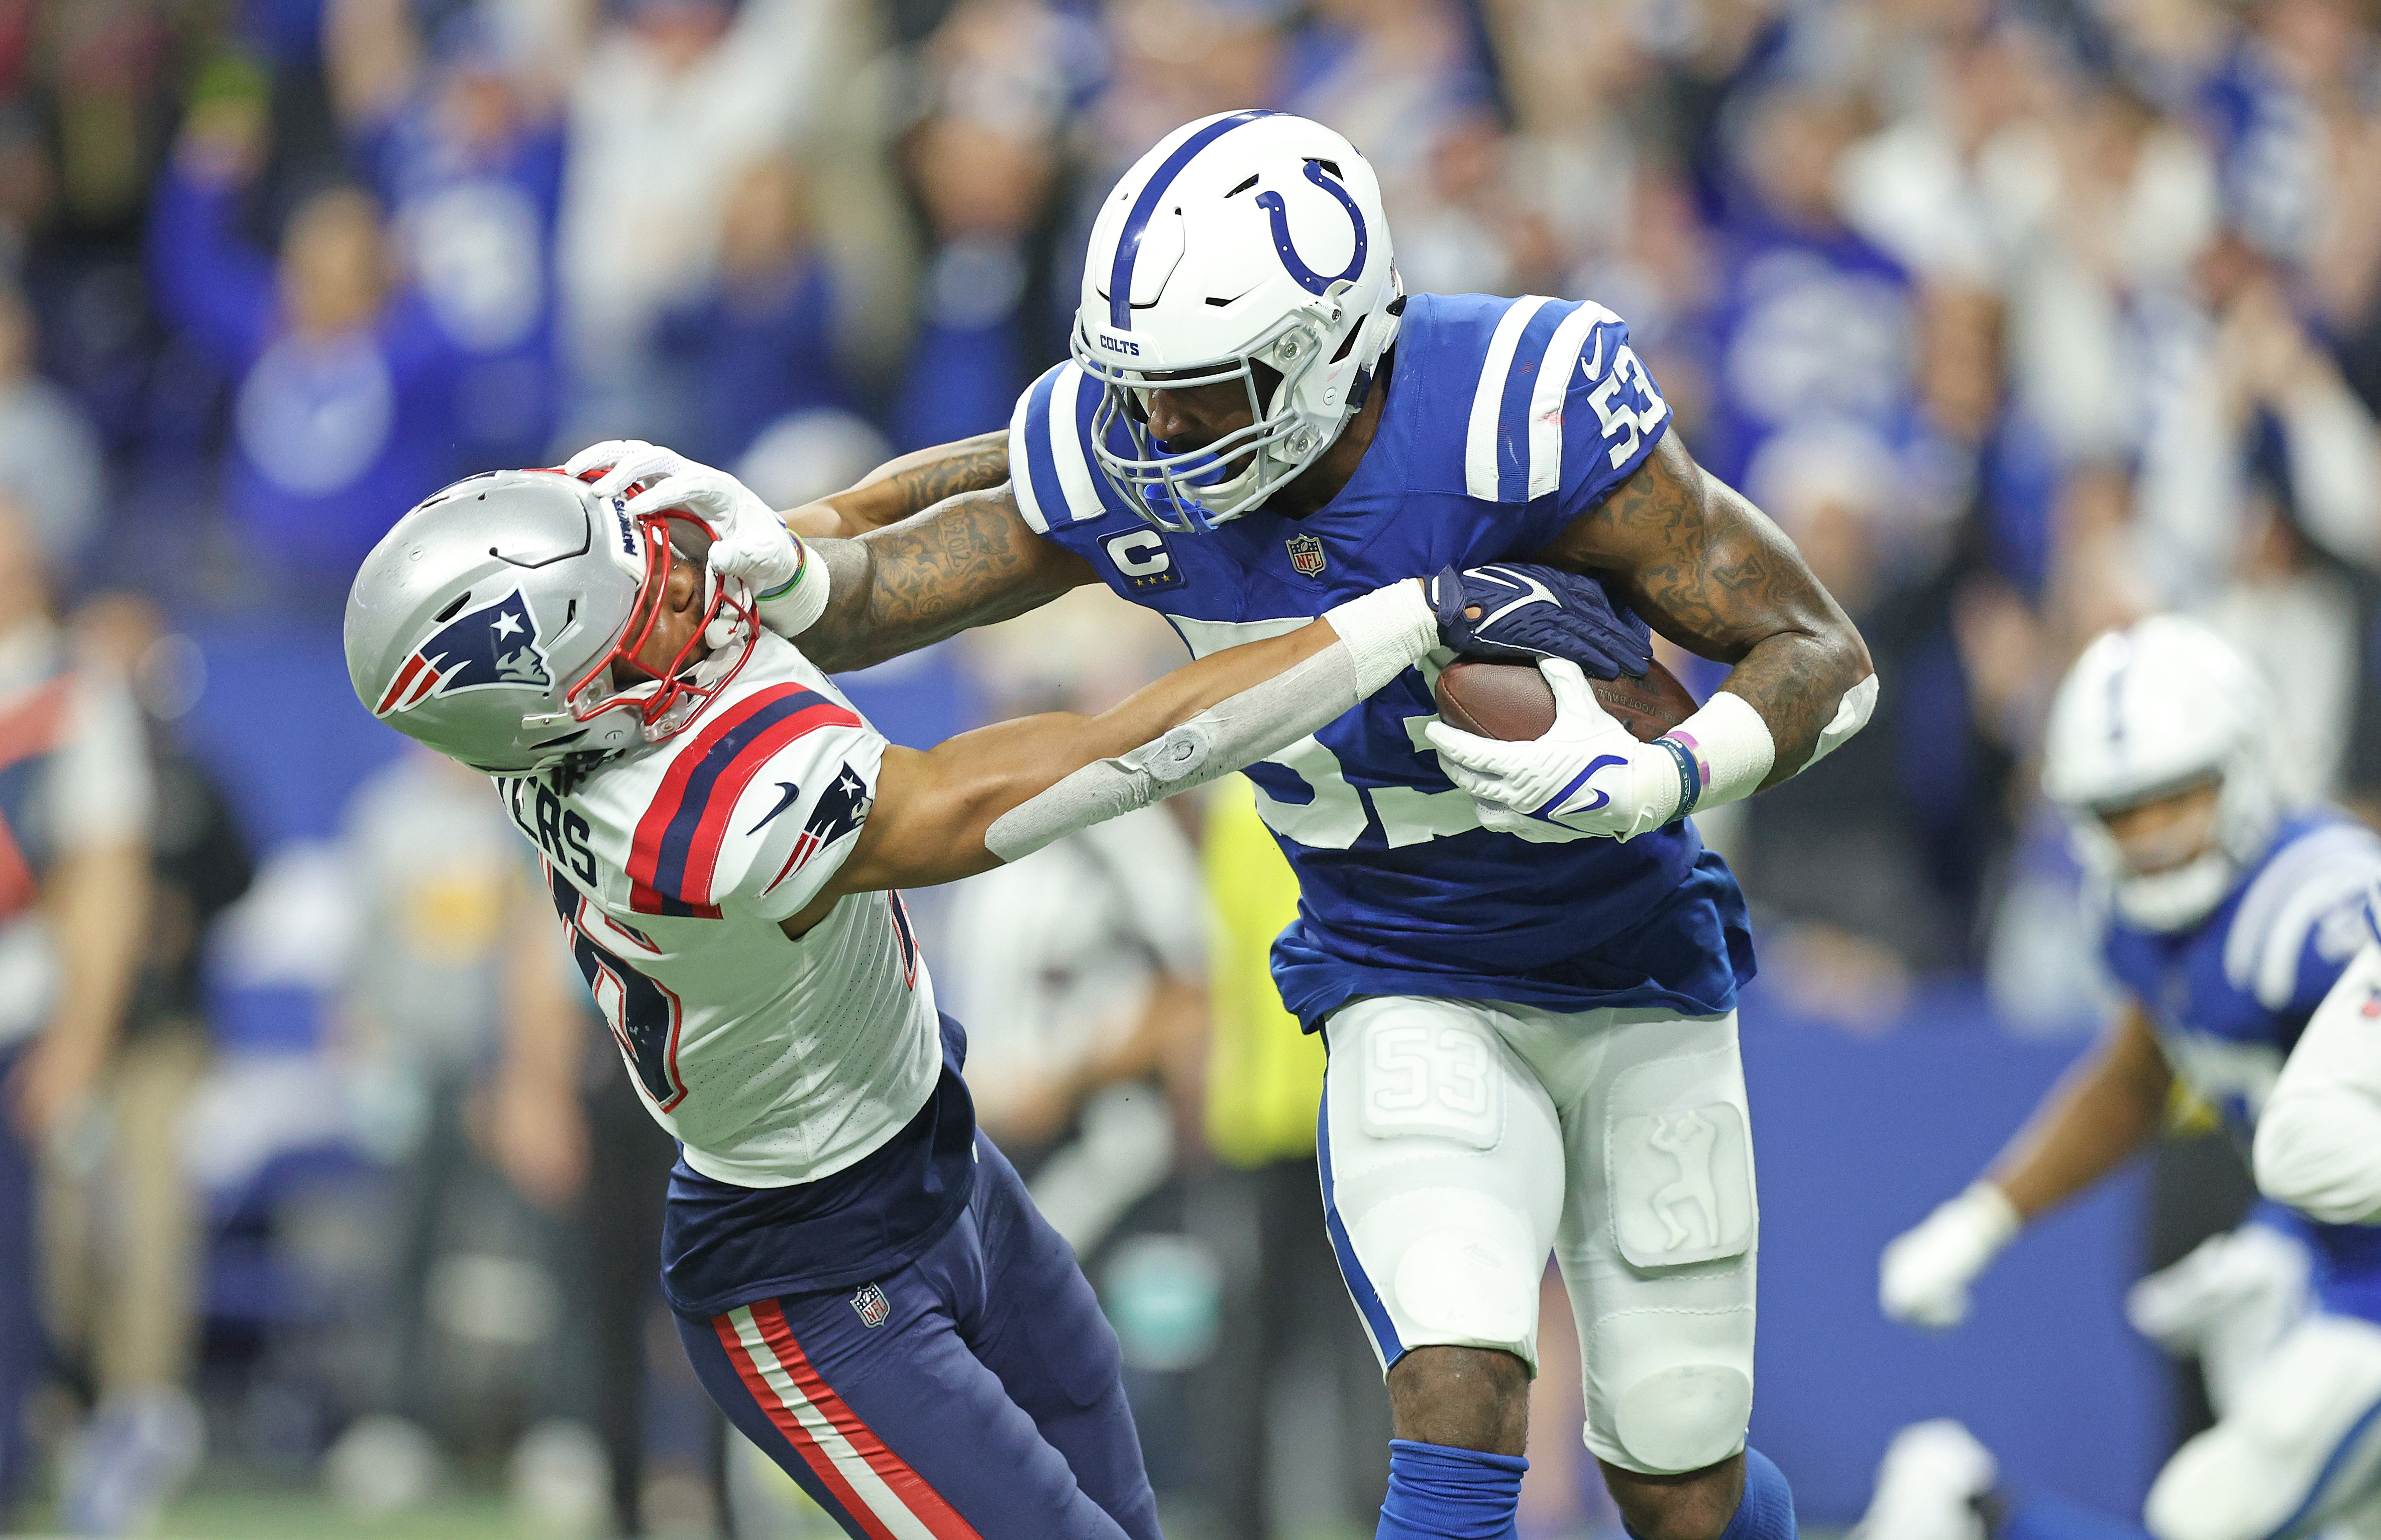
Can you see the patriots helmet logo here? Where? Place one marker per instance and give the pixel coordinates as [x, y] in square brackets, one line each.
[494, 647]
[841, 809]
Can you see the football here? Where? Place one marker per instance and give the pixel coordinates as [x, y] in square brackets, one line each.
[1512, 701]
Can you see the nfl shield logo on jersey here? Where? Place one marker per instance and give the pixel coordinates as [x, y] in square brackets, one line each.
[872, 1305]
[1305, 555]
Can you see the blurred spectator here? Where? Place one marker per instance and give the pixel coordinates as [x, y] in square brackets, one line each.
[803, 456]
[1073, 974]
[75, 811]
[465, 147]
[1395, 76]
[1294, 1417]
[758, 344]
[984, 168]
[1169, 62]
[49, 455]
[983, 192]
[127, 1220]
[1812, 324]
[473, 1298]
[673, 103]
[564, 1125]
[344, 402]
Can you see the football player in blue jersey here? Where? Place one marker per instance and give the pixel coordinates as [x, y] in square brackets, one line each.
[2228, 920]
[1522, 959]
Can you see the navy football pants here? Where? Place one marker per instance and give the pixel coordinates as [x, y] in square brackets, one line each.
[985, 1404]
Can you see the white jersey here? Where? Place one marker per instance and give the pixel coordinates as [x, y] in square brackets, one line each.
[773, 1061]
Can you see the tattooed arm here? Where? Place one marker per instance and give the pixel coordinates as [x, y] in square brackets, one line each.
[968, 561]
[910, 485]
[1710, 572]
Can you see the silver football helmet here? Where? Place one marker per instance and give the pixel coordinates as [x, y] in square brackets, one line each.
[488, 621]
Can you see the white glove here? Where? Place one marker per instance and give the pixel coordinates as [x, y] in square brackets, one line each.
[1587, 775]
[1923, 1276]
[750, 543]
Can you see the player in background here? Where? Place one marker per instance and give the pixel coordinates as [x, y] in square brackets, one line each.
[2227, 919]
[860, 1281]
[2318, 1146]
[1257, 423]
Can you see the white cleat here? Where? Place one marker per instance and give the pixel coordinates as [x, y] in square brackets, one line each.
[1928, 1483]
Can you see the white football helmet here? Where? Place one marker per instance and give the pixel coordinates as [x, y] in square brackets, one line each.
[2147, 711]
[1249, 246]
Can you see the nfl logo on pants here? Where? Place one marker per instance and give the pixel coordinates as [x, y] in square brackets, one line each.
[1305, 555]
[872, 1305]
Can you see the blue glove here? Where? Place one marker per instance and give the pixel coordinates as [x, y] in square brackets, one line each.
[1526, 613]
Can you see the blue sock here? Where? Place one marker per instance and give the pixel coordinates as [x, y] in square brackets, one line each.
[1440, 1493]
[2046, 1518]
[1766, 1511]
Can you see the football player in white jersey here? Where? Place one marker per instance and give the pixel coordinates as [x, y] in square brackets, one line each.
[2229, 924]
[859, 1280]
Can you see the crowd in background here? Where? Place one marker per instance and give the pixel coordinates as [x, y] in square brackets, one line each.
[2021, 316]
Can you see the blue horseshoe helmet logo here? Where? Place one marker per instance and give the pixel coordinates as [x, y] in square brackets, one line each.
[1278, 211]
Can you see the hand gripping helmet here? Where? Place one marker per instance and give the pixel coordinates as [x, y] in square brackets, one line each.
[2150, 710]
[1247, 247]
[487, 622]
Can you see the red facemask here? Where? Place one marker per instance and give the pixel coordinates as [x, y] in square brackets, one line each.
[667, 705]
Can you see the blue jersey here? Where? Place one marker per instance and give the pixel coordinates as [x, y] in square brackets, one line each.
[2230, 997]
[1506, 420]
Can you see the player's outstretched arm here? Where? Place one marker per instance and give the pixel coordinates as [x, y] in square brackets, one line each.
[905, 486]
[2318, 1144]
[1000, 792]
[1711, 571]
[968, 561]
[2099, 1112]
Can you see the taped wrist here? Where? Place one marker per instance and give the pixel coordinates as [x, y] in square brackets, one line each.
[794, 605]
[1387, 632]
[1730, 747]
[1233, 732]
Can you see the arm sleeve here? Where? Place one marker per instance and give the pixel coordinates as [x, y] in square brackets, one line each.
[2318, 1141]
[210, 285]
[793, 825]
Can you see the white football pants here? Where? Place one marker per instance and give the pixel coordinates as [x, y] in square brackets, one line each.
[2301, 1448]
[1463, 1140]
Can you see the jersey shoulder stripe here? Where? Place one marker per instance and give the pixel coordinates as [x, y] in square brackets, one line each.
[2325, 872]
[1513, 440]
[1049, 438]
[678, 840]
